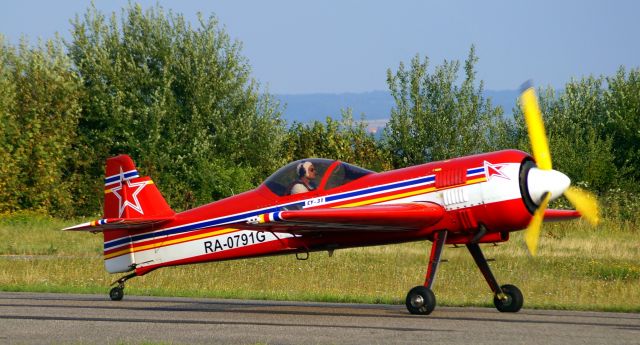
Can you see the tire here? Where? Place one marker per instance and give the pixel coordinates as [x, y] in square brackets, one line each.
[514, 300]
[116, 294]
[420, 301]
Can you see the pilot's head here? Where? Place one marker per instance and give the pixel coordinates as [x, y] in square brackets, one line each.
[306, 169]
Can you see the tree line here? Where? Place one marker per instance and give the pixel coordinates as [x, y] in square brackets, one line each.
[179, 98]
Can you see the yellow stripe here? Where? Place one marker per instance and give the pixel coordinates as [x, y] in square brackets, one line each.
[480, 179]
[389, 197]
[107, 191]
[262, 220]
[118, 253]
[170, 242]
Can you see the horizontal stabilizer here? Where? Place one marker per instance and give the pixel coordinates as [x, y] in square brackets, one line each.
[118, 223]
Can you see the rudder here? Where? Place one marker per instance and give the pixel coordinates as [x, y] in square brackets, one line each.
[127, 195]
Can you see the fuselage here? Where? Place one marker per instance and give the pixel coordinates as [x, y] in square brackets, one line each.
[483, 195]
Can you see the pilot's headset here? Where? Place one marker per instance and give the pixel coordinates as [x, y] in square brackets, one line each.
[302, 169]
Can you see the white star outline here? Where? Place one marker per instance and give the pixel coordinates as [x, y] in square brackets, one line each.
[122, 205]
[496, 170]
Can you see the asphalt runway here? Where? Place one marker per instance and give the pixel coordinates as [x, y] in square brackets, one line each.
[28, 318]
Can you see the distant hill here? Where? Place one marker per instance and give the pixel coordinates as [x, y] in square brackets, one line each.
[317, 106]
[375, 105]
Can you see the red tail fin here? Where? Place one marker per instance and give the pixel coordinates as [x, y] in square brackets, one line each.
[127, 195]
[131, 203]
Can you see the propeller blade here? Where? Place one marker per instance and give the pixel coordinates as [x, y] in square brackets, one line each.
[585, 203]
[535, 126]
[532, 233]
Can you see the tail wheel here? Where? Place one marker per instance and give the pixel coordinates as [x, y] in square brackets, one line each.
[116, 293]
[420, 300]
[511, 300]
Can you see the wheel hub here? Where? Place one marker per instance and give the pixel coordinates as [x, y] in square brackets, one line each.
[502, 296]
[417, 301]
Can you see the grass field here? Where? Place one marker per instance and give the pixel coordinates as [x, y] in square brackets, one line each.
[578, 267]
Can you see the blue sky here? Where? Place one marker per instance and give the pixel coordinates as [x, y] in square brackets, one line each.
[347, 46]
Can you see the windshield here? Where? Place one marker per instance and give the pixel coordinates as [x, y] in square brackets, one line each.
[345, 173]
[305, 175]
[298, 177]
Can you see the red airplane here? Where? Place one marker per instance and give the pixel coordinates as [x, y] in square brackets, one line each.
[322, 205]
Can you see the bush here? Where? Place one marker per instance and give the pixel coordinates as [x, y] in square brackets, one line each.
[178, 99]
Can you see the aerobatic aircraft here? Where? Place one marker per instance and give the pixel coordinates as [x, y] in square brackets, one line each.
[323, 205]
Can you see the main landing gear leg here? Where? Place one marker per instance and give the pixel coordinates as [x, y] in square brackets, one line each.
[421, 300]
[507, 298]
[117, 292]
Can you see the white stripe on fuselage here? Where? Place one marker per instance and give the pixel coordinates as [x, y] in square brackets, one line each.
[192, 248]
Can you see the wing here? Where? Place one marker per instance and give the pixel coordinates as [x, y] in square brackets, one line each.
[558, 215]
[397, 217]
[118, 223]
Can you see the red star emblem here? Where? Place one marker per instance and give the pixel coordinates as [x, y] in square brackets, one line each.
[491, 170]
[126, 192]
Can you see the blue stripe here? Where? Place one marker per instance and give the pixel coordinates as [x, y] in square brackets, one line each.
[232, 219]
[276, 215]
[196, 226]
[116, 178]
[427, 179]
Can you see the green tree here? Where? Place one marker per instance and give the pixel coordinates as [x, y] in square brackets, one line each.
[435, 118]
[39, 110]
[179, 99]
[622, 120]
[346, 140]
[9, 184]
[576, 128]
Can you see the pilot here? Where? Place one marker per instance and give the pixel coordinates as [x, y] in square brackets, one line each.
[306, 174]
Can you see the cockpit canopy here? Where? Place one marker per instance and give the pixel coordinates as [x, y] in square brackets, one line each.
[328, 174]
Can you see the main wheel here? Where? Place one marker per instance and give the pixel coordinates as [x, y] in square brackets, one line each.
[512, 303]
[116, 293]
[420, 300]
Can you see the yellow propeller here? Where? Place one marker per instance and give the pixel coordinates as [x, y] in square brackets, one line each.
[532, 233]
[584, 201]
[535, 127]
